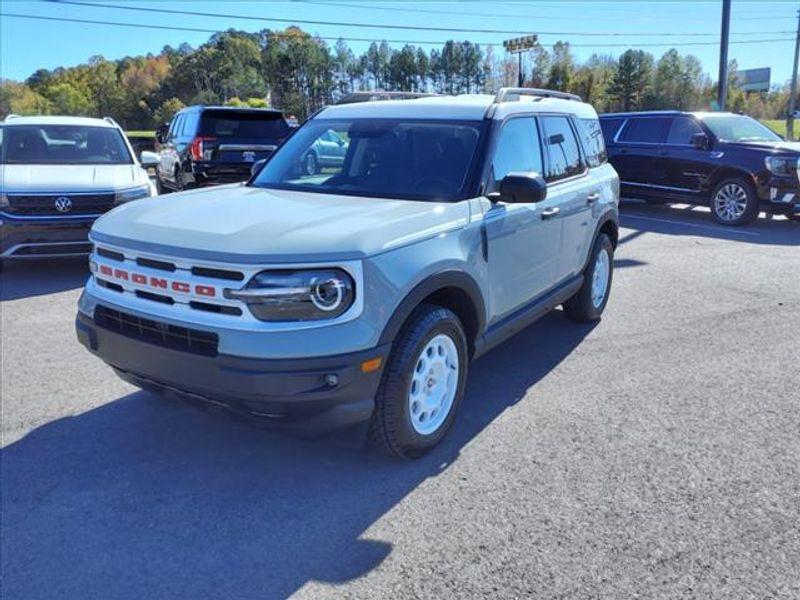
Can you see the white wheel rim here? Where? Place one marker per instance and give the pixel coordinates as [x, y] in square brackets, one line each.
[730, 202]
[602, 270]
[434, 383]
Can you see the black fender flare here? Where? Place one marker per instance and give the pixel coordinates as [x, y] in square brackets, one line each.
[608, 217]
[430, 285]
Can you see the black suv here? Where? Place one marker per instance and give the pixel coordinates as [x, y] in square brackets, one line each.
[731, 162]
[205, 145]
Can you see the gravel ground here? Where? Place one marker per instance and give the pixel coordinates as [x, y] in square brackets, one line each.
[654, 455]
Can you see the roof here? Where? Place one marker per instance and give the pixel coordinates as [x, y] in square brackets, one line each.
[56, 120]
[231, 108]
[662, 113]
[465, 107]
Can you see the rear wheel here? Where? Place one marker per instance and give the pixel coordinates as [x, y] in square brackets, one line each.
[734, 202]
[422, 385]
[590, 301]
[310, 166]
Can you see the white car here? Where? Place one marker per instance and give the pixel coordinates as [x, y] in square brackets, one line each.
[57, 175]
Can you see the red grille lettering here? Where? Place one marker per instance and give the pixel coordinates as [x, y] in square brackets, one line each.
[204, 290]
[106, 270]
[179, 286]
[137, 278]
[120, 274]
[159, 283]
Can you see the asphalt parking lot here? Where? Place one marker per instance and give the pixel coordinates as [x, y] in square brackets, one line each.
[654, 455]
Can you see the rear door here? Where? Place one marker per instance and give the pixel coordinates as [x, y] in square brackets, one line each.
[524, 240]
[642, 143]
[168, 154]
[239, 138]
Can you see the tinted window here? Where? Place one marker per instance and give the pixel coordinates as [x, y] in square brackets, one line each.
[610, 128]
[247, 125]
[682, 130]
[593, 144]
[518, 149]
[63, 144]
[190, 124]
[739, 128]
[177, 123]
[389, 158]
[562, 149]
[650, 130]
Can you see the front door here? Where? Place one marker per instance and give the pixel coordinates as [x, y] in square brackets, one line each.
[686, 168]
[523, 240]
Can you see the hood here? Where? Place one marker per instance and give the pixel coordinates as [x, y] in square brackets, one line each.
[784, 146]
[69, 178]
[237, 223]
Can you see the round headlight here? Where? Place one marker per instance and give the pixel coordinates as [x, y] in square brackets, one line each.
[328, 294]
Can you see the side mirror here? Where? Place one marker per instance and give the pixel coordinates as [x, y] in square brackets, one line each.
[700, 141]
[161, 133]
[521, 188]
[148, 159]
[257, 166]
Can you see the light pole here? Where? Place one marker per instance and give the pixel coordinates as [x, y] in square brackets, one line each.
[793, 85]
[722, 85]
[518, 46]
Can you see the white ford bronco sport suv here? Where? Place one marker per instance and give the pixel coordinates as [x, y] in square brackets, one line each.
[360, 293]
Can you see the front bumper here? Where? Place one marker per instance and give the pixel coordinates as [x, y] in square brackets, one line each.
[781, 195]
[22, 238]
[297, 393]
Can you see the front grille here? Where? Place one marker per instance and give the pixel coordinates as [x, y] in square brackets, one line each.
[45, 205]
[156, 333]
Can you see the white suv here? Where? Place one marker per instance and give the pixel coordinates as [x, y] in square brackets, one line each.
[57, 175]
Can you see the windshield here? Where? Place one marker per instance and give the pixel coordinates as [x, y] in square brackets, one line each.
[389, 158]
[63, 145]
[244, 125]
[739, 128]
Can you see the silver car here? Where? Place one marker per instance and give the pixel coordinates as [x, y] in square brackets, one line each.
[361, 291]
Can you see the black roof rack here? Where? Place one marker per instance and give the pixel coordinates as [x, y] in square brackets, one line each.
[515, 93]
[377, 95]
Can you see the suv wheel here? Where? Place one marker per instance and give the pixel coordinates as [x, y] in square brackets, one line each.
[734, 202]
[422, 386]
[310, 164]
[590, 301]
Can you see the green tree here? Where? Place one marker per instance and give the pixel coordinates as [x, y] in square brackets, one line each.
[166, 111]
[19, 99]
[562, 67]
[631, 80]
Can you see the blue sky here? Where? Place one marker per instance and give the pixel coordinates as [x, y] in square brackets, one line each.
[30, 44]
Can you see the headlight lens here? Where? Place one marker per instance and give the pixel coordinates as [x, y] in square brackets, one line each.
[781, 165]
[307, 295]
[143, 191]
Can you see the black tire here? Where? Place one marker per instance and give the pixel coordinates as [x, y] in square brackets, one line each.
[581, 308]
[310, 164]
[390, 429]
[160, 189]
[750, 212]
[179, 183]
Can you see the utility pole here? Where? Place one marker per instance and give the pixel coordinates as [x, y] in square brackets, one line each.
[518, 46]
[793, 85]
[722, 85]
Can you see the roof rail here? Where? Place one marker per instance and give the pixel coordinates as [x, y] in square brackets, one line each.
[11, 116]
[504, 93]
[375, 95]
[111, 121]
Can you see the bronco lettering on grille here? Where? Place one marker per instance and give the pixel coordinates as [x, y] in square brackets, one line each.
[159, 283]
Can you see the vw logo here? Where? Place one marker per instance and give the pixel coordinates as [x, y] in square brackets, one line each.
[63, 204]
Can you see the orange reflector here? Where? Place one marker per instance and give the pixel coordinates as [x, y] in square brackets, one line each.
[368, 366]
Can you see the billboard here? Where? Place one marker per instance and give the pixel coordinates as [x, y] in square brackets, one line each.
[754, 80]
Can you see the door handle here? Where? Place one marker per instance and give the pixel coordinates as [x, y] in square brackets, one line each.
[549, 213]
[592, 198]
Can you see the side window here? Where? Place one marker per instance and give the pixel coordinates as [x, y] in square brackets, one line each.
[190, 124]
[564, 157]
[517, 149]
[647, 130]
[176, 127]
[682, 130]
[610, 128]
[593, 144]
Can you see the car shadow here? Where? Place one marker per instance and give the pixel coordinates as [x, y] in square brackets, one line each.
[28, 278]
[145, 497]
[691, 220]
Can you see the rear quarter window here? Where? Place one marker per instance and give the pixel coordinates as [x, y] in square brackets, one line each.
[593, 143]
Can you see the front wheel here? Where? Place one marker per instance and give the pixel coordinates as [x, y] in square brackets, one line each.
[734, 202]
[310, 165]
[422, 385]
[591, 299]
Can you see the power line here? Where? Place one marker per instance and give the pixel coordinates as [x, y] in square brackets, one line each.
[381, 26]
[352, 39]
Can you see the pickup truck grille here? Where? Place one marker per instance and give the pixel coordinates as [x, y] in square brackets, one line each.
[154, 332]
[45, 205]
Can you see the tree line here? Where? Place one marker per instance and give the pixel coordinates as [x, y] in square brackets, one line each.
[298, 73]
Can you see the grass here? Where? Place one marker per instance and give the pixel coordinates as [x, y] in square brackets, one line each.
[143, 133]
[779, 126]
